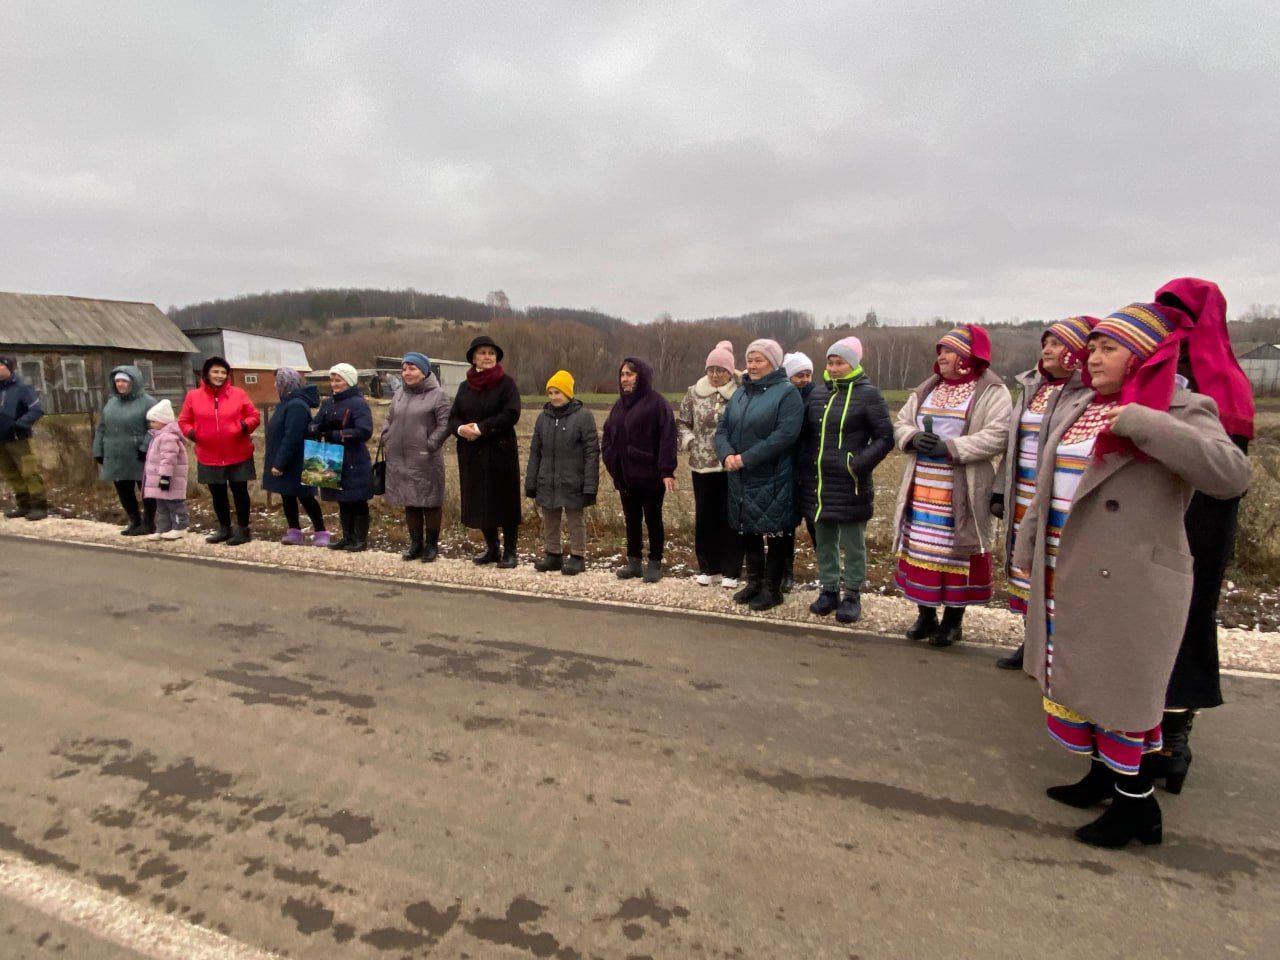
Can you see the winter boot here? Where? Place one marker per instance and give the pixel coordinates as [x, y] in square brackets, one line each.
[220, 535]
[510, 542]
[292, 537]
[573, 566]
[38, 510]
[321, 539]
[1090, 790]
[238, 536]
[788, 581]
[850, 609]
[653, 572]
[1174, 759]
[415, 549]
[1013, 661]
[550, 562]
[926, 624]
[631, 569]
[491, 552]
[1134, 814]
[768, 597]
[21, 504]
[431, 546]
[826, 603]
[340, 543]
[135, 527]
[359, 534]
[950, 631]
[750, 590]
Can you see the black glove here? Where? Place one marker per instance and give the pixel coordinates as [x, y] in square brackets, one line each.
[588, 499]
[531, 494]
[997, 505]
[335, 436]
[164, 483]
[142, 455]
[930, 444]
[245, 427]
[98, 460]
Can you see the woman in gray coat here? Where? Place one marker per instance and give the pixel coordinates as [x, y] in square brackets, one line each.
[417, 424]
[120, 446]
[1110, 567]
[563, 473]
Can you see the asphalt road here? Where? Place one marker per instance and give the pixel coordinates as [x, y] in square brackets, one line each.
[331, 767]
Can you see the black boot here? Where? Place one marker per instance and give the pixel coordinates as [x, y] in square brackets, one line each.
[749, 591]
[1174, 759]
[21, 504]
[344, 520]
[788, 581]
[549, 562]
[1013, 661]
[238, 536]
[826, 604]
[653, 571]
[770, 596]
[1134, 814]
[926, 624]
[631, 569]
[38, 510]
[951, 629]
[850, 609]
[510, 559]
[415, 550]
[1090, 790]
[359, 534]
[135, 527]
[220, 535]
[413, 523]
[431, 546]
[491, 552]
[573, 566]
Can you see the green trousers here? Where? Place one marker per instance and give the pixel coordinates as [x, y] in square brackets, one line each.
[20, 470]
[833, 537]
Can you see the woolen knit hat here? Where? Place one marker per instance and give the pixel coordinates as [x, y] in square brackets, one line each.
[162, 412]
[721, 356]
[347, 372]
[287, 381]
[562, 380]
[9, 363]
[770, 349]
[419, 360]
[796, 362]
[848, 349]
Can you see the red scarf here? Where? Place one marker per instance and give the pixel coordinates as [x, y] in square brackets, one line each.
[482, 380]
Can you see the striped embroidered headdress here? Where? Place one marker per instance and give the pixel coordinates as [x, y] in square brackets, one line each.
[1073, 331]
[959, 340]
[1139, 327]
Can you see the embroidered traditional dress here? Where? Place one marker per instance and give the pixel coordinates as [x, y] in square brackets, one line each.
[1120, 750]
[930, 571]
[1025, 484]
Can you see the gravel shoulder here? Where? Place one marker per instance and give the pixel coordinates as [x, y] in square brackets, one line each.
[883, 615]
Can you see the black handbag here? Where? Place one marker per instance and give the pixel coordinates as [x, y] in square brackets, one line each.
[379, 485]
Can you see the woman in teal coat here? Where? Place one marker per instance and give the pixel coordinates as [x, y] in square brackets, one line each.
[756, 442]
[120, 446]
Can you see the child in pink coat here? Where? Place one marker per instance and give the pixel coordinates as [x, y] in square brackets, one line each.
[165, 473]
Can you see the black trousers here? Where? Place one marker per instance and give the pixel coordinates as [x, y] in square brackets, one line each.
[791, 545]
[766, 558]
[127, 491]
[309, 504]
[222, 506]
[1211, 532]
[716, 544]
[644, 507]
[510, 536]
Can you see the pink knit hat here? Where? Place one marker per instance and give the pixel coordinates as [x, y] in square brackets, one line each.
[767, 348]
[722, 356]
[849, 349]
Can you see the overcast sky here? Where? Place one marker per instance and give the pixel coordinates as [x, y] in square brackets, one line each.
[973, 161]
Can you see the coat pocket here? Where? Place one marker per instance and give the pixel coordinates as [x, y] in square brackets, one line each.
[1171, 559]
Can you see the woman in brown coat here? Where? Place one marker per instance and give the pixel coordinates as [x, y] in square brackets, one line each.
[1110, 589]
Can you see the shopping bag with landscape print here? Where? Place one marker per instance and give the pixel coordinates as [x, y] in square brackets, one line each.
[322, 464]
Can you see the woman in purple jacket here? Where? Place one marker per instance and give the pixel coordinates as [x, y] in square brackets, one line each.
[640, 455]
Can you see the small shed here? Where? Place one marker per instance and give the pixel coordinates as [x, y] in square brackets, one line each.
[67, 347]
[254, 358]
[1262, 366]
[450, 373]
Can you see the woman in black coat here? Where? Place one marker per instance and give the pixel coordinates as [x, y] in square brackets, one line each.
[283, 456]
[345, 418]
[484, 416]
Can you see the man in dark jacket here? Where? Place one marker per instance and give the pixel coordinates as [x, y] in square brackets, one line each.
[848, 422]
[19, 410]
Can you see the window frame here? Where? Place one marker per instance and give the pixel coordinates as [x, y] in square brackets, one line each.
[148, 368]
[250, 379]
[69, 363]
[37, 385]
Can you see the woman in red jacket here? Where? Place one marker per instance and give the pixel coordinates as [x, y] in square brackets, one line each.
[219, 418]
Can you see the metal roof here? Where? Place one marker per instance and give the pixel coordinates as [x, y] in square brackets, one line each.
[250, 351]
[29, 319]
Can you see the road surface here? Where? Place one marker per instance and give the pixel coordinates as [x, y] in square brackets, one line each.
[324, 766]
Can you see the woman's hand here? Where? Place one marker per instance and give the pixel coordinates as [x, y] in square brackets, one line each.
[733, 462]
[276, 472]
[469, 431]
[1112, 415]
[670, 484]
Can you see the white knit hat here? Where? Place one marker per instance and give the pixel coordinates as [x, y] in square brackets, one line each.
[162, 412]
[347, 372]
[797, 363]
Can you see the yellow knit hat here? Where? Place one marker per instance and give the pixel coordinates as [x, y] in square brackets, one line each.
[562, 380]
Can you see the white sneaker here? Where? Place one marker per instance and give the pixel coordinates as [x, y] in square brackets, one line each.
[703, 579]
[729, 583]
[153, 536]
[172, 535]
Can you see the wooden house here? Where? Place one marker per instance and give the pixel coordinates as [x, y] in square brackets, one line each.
[254, 358]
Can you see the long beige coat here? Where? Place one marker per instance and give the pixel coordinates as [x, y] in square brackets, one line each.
[986, 434]
[1007, 473]
[1122, 583]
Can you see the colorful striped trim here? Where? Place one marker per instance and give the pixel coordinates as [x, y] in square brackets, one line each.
[959, 340]
[1139, 327]
[1073, 331]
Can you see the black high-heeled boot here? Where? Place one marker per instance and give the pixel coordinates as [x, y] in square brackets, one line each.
[1134, 814]
[344, 520]
[1173, 761]
[491, 552]
[951, 629]
[431, 546]
[1097, 785]
[925, 626]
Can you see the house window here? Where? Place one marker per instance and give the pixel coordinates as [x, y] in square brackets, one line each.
[32, 371]
[148, 373]
[250, 378]
[73, 374]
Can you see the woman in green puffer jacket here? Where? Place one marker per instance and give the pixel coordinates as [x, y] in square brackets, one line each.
[120, 446]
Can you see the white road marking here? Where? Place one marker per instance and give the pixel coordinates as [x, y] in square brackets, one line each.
[149, 933]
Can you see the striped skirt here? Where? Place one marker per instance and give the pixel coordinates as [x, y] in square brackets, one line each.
[931, 573]
[1121, 750]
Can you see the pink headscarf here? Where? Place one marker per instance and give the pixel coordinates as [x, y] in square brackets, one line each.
[1213, 362]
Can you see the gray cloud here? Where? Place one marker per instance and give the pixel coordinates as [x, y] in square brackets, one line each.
[1017, 159]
